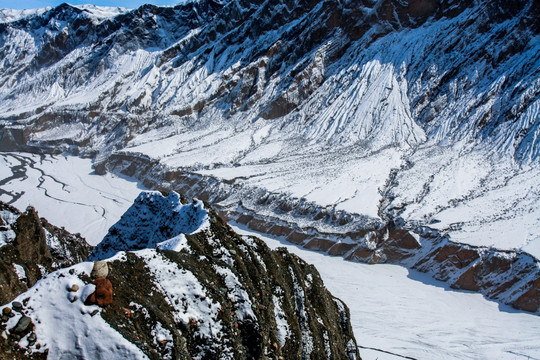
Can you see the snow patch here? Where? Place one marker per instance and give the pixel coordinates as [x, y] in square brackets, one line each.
[19, 270]
[71, 329]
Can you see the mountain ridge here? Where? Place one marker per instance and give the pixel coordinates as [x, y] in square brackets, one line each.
[214, 294]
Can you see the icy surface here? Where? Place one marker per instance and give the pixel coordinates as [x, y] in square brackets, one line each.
[67, 192]
[410, 314]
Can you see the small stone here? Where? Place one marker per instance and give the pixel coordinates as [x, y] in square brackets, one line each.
[93, 313]
[11, 314]
[127, 312]
[23, 324]
[73, 288]
[38, 346]
[72, 299]
[100, 270]
[5, 318]
[6, 310]
[32, 337]
[233, 252]
[17, 306]
[71, 271]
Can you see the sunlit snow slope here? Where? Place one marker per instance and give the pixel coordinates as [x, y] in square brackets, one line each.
[317, 100]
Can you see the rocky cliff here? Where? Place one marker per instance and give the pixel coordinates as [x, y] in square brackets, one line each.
[185, 287]
[31, 248]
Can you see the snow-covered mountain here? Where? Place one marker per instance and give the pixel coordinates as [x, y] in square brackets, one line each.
[331, 123]
[204, 292]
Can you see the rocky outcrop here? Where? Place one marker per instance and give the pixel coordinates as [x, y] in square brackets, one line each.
[197, 290]
[507, 276]
[32, 249]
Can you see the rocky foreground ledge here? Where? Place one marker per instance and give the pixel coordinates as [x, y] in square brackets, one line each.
[185, 287]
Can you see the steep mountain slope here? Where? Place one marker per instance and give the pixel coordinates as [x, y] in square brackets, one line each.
[333, 121]
[200, 291]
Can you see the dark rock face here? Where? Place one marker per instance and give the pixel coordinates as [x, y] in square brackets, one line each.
[38, 248]
[314, 317]
[281, 288]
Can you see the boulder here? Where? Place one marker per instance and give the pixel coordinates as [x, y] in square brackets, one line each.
[23, 326]
[100, 270]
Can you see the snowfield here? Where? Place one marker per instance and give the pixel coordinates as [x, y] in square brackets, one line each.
[66, 191]
[393, 309]
[406, 312]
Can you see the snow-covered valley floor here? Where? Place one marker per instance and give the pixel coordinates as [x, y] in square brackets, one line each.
[408, 313]
[392, 308]
[66, 191]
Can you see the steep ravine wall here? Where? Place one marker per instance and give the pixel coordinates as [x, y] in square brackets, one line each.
[508, 277]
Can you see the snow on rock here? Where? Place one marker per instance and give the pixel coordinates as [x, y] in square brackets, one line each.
[237, 294]
[283, 331]
[180, 292]
[161, 220]
[20, 272]
[185, 294]
[7, 235]
[69, 329]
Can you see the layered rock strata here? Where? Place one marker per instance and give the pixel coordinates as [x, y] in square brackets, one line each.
[509, 277]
